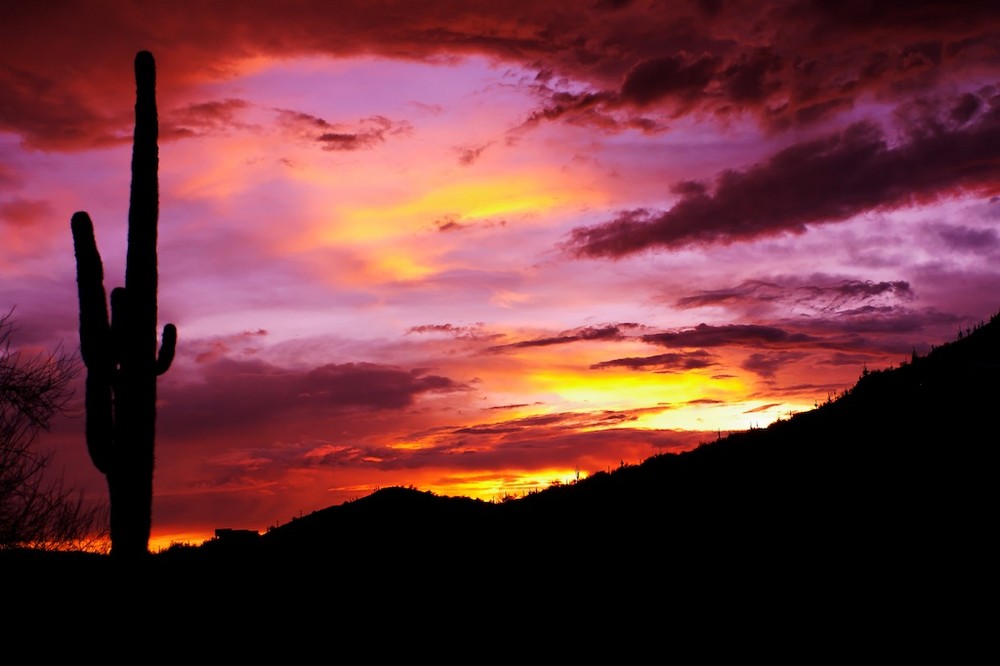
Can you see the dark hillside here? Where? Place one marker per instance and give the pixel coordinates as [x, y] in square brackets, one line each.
[866, 521]
[895, 473]
[893, 481]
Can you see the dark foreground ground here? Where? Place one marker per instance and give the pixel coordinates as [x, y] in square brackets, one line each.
[861, 529]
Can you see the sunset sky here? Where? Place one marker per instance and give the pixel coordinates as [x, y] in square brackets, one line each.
[480, 247]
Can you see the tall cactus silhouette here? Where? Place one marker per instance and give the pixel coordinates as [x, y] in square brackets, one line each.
[120, 354]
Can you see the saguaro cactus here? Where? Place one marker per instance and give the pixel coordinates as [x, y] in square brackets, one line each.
[120, 353]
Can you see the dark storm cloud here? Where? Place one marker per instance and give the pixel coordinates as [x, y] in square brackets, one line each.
[906, 15]
[47, 114]
[371, 132]
[195, 119]
[576, 108]
[349, 141]
[363, 134]
[474, 332]
[810, 113]
[666, 362]
[787, 65]
[241, 393]
[965, 108]
[567, 419]
[864, 318]
[874, 330]
[864, 289]
[302, 121]
[750, 76]
[870, 319]
[610, 332]
[818, 292]
[681, 77]
[767, 364]
[436, 328]
[704, 335]
[868, 333]
[821, 181]
[783, 62]
[612, 4]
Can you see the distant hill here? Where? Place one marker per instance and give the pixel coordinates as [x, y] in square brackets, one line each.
[865, 524]
[894, 474]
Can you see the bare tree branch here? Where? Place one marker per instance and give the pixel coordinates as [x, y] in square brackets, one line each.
[37, 510]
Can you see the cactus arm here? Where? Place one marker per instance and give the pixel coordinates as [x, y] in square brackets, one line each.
[95, 342]
[166, 355]
[95, 332]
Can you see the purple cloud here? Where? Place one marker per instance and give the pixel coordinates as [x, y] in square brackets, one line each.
[816, 182]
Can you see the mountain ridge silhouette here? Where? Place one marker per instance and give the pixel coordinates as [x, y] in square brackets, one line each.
[893, 464]
[863, 526]
[882, 493]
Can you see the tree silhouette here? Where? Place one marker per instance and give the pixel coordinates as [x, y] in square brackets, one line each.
[36, 510]
[120, 354]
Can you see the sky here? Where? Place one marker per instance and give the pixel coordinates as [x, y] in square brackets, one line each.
[479, 248]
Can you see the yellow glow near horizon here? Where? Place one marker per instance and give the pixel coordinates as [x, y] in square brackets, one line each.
[512, 483]
[407, 445]
[623, 389]
[468, 200]
[161, 542]
[395, 265]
